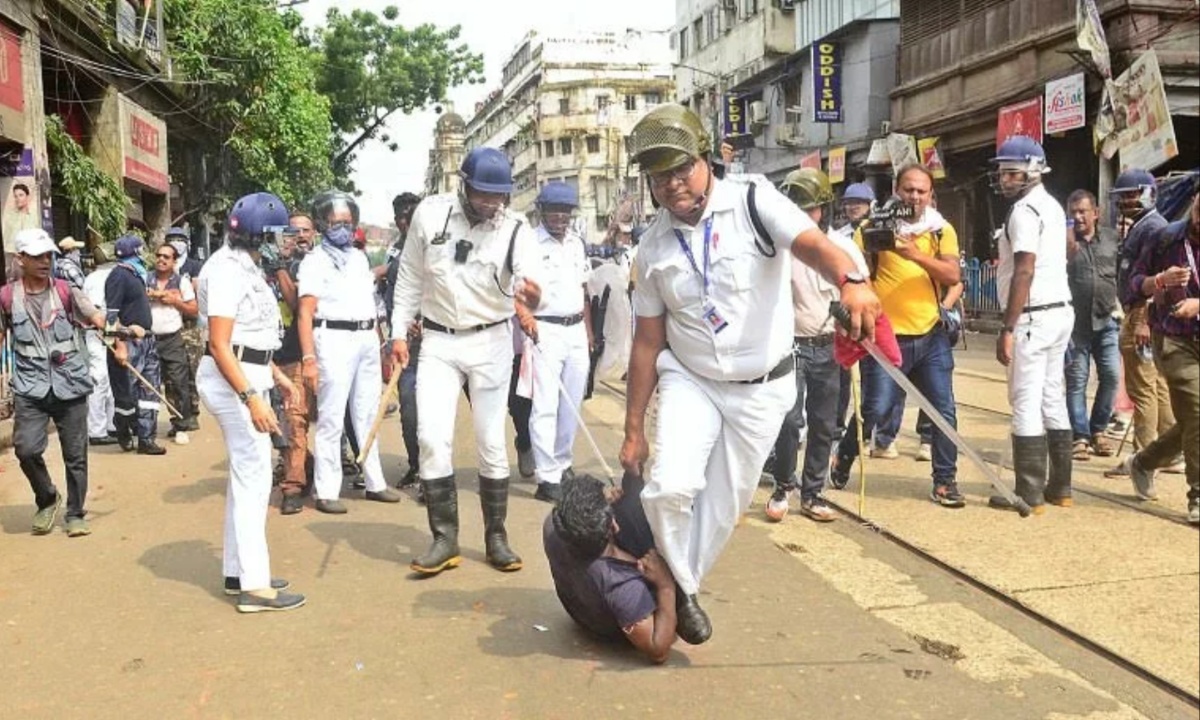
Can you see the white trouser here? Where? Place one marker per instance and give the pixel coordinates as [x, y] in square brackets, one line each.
[484, 361]
[245, 553]
[712, 438]
[1036, 388]
[100, 403]
[561, 352]
[348, 371]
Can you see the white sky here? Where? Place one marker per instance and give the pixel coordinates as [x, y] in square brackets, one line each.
[488, 27]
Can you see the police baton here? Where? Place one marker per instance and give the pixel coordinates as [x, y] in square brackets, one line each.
[393, 381]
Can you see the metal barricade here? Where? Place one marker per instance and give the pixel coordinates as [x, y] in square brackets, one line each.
[981, 297]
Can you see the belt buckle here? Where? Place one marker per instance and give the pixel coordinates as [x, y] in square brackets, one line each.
[238, 351]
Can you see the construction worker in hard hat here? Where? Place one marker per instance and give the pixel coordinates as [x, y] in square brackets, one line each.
[466, 260]
[714, 335]
[562, 331]
[818, 376]
[1038, 320]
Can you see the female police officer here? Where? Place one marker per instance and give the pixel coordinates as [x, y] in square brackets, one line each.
[236, 372]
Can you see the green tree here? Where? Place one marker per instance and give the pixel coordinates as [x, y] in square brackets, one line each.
[370, 66]
[251, 86]
[93, 193]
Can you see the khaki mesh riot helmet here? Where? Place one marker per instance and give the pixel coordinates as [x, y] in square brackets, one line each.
[807, 187]
[667, 137]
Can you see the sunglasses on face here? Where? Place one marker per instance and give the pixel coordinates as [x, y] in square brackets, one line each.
[165, 256]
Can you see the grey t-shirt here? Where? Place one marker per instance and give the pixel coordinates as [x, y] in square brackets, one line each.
[604, 595]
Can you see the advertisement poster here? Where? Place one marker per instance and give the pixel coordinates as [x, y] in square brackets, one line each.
[878, 154]
[931, 158]
[1023, 118]
[736, 122]
[1064, 104]
[1144, 133]
[827, 82]
[12, 90]
[811, 160]
[837, 164]
[18, 197]
[903, 150]
[1089, 35]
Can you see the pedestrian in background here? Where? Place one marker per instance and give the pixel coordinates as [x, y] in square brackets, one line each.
[101, 405]
[172, 299]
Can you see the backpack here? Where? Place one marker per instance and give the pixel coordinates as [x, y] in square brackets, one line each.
[60, 285]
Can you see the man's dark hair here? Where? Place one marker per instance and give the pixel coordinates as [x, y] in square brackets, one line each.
[22, 187]
[1081, 194]
[404, 201]
[168, 246]
[583, 517]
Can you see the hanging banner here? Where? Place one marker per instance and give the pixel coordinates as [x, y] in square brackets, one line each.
[837, 164]
[1064, 104]
[827, 82]
[736, 122]
[811, 160]
[1089, 35]
[12, 87]
[1144, 132]
[878, 154]
[903, 150]
[931, 158]
[1023, 118]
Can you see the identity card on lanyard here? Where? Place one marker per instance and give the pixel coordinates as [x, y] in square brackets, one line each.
[709, 312]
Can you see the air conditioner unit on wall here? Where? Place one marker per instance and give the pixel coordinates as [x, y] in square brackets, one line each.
[789, 135]
[758, 113]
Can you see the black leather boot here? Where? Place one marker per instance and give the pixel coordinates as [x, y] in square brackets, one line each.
[1058, 482]
[441, 504]
[691, 622]
[493, 497]
[1029, 469]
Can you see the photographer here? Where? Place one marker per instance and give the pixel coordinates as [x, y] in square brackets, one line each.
[911, 260]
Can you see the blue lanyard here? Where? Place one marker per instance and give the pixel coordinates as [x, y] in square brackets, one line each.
[687, 251]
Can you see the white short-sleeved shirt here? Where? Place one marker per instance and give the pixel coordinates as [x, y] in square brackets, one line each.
[232, 285]
[347, 293]
[751, 292]
[93, 284]
[812, 293]
[565, 269]
[166, 319]
[1036, 224]
[461, 295]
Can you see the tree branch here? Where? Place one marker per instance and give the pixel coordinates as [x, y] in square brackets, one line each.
[362, 137]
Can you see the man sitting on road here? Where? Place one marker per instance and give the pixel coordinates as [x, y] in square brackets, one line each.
[606, 572]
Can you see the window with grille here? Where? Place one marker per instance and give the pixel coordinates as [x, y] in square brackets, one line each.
[564, 146]
[593, 143]
[683, 44]
[631, 102]
[698, 32]
[564, 106]
[652, 98]
[549, 148]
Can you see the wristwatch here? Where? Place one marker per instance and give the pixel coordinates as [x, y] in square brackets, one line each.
[245, 395]
[852, 277]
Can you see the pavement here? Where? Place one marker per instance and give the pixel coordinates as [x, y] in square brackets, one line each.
[812, 621]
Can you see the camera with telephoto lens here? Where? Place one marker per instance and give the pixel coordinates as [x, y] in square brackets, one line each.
[462, 249]
[879, 231]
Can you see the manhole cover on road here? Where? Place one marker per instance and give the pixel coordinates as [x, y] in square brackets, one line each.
[943, 650]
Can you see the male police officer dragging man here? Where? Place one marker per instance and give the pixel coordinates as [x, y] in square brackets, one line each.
[1038, 320]
[340, 346]
[562, 331]
[466, 259]
[50, 379]
[125, 298]
[714, 334]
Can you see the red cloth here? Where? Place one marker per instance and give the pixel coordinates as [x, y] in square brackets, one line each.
[847, 352]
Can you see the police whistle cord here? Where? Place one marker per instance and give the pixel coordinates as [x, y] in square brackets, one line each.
[843, 317]
[393, 381]
[562, 389]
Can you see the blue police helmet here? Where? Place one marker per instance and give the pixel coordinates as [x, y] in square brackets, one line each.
[1133, 179]
[859, 191]
[487, 170]
[1022, 149]
[253, 214]
[127, 246]
[558, 193]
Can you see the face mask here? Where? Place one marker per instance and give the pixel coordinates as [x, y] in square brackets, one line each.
[339, 235]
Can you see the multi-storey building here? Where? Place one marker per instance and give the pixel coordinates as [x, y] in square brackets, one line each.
[446, 155]
[564, 108]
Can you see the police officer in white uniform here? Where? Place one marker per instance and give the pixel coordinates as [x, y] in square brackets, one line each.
[1038, 319]
[563, 332]
[233, 378]
[714, 334]
[467, 257]
[340, 346]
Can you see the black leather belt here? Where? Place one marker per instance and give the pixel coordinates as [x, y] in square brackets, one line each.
[438, 327]
[815, 340]
[561, 319]
[785, 367]
[248, 355]
[344, 324]
[1047, 306]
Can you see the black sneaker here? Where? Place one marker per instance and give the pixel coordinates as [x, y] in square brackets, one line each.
[548, 492]
[126, 442]
[233, 586]
[947, 495]
[291, 504]
[839, 478]
[102, 441]
[149, 447]
[248, 603]
[410, 478]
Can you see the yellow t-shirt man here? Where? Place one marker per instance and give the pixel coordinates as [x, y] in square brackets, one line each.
[904, 288]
